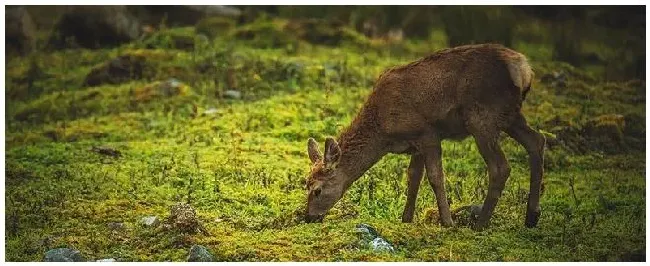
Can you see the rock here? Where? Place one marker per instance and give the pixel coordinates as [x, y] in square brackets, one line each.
[379, 244]
[95, 27]
[210, 111]
[555, 79]
[63, 255]
[232, 94]
[115, 226]
[370, 237]
[150, 221]
[199, 253]
[106, 260]
[118, 70]
[183, 218]
[108, 151]
[19, 31]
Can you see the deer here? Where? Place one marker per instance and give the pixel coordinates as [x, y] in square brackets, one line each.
[475, 90]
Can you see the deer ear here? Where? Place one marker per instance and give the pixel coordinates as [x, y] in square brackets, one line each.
[312, 149]
[332, 153]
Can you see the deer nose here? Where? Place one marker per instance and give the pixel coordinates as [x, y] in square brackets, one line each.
[314, 218]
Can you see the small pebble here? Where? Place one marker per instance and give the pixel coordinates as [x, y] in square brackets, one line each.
[199, 253]
[210, 111]
[371, 236]
[232, 94]
[150, 221]
[63, 255]
[115, 226]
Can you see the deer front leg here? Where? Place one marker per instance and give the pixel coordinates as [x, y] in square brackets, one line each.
[415, 171]
[433, 164]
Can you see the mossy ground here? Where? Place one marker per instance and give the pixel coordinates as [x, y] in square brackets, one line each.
[243, 167]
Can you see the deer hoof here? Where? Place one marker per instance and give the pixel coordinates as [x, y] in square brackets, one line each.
[479, 226]
[447, 223]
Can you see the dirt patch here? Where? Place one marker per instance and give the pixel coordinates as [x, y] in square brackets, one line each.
[610, 133]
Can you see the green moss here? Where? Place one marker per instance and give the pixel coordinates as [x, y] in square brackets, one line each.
[265, 34]
[215, 26]
[243, 164]
[175, 38]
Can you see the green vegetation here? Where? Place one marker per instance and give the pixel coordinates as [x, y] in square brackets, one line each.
[242, 165]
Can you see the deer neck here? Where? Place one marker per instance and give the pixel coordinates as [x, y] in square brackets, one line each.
[362, 145]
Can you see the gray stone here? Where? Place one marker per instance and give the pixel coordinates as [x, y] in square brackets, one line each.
[370, 237]
[199, 253]
[210, 111]
[63, 255]
[380, 244]
[232, 94]
[106, 260]
[116, 226]
[555, 79]
[150, 221]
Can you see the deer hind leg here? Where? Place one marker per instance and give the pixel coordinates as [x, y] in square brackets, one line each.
[498, 171]
[415, 171]
[533, 142]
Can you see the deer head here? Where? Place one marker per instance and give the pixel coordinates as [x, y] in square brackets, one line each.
[326, 182]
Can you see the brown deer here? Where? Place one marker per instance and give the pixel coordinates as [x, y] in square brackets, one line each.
[473, 90]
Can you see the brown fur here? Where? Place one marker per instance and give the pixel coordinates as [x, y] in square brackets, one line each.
[468, 90]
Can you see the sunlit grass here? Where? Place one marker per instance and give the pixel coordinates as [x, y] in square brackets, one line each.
[243, 167]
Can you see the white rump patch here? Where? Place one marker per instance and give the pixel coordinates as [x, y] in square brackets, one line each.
[520, 71]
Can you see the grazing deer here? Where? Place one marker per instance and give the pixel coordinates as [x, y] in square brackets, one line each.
[473, 90]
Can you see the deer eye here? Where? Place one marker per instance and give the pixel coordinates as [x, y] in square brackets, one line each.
[317, 192]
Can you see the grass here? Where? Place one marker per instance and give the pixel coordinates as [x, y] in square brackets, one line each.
[244, 166]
